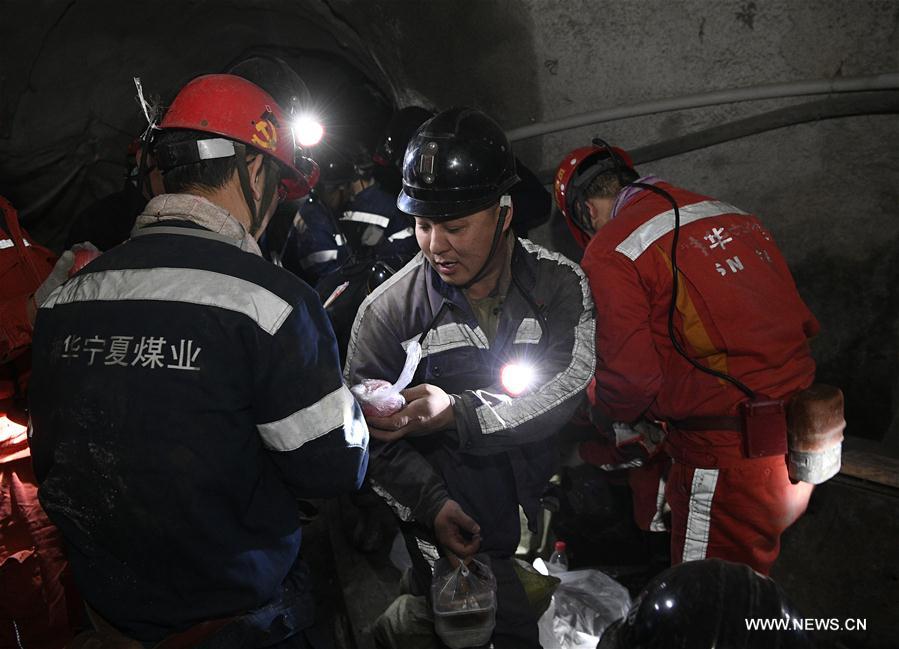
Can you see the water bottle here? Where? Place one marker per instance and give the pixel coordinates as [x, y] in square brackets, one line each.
[558, 560]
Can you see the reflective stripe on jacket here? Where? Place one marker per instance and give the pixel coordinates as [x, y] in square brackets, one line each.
[503, 451]
[738, 310]
[185, 393]
[373, 208]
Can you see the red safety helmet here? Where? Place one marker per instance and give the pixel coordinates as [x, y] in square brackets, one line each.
[575, 172]
[237, 109]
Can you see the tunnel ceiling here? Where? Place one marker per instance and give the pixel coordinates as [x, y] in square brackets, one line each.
[68, 107]
[828, 189]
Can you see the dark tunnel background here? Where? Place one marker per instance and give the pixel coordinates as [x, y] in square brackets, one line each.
[821, 171]
[825, 185]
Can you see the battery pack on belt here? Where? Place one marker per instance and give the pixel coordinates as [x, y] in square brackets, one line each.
[764, 427]
[762, 424]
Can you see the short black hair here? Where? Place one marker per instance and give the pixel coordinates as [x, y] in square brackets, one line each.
[609, 183]
[205, 174]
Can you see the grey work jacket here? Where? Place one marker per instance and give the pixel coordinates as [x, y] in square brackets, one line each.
[503, 450]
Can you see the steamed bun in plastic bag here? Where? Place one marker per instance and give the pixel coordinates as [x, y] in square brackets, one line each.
[380, 398]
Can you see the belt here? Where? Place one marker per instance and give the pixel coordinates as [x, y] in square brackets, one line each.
[732, 424]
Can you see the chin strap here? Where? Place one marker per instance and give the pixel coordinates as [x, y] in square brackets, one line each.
[505, 204]
[240, 152]
[270, 188]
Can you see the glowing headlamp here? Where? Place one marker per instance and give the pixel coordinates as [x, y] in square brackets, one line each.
[307, 130]
[517, 378]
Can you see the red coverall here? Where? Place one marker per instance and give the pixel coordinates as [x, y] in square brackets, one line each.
[34, 575]
[738, 311]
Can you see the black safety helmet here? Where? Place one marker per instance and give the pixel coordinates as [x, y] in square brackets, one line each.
[336, 165]
[705, 605]
[363, 165]
[459, 162]
[379, 273]
[278, 78]
[342, 162]
[400, 129]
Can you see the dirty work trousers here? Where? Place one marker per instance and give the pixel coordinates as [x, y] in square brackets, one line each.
[728, 507]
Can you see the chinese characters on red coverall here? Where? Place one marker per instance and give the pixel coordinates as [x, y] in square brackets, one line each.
[738, 312]
[32, 565]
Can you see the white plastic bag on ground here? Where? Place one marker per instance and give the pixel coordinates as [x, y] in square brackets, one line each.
[584, 605]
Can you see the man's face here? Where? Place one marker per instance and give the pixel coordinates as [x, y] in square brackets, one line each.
[334, 196]
[457, 249]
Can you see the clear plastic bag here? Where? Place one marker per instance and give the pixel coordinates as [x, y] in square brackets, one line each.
[378, 397]
[584, 605]
[464, 602]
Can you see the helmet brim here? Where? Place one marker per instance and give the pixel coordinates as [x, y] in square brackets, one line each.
[448, 210]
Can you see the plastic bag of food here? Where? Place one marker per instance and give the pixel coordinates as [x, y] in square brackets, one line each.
[584, 605]
[378, 397]
[464, 602]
